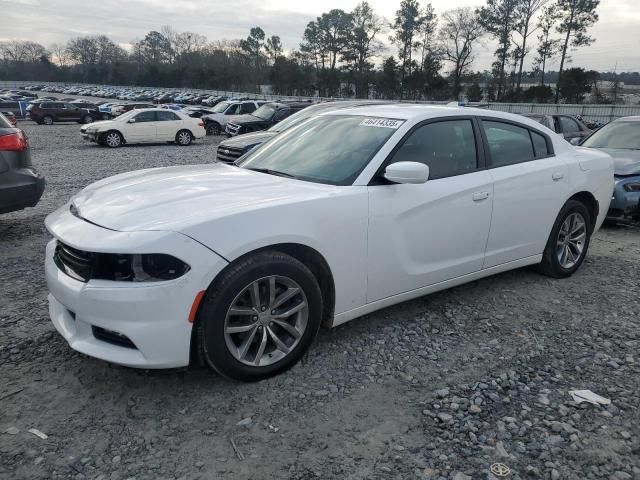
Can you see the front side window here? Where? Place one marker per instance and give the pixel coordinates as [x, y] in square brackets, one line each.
[447, 147]
[508, 144]
[265, 112]
[282, 114]
[144, 117]
[569, 125]
[330, 149]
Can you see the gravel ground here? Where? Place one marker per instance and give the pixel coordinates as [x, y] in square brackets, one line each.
[438, 388]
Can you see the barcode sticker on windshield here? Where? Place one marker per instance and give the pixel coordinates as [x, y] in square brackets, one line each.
[381, 122]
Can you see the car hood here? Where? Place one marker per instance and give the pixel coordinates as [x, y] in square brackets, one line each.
[175, 198]
[247, 118]
[96, 124]
[248, 139]
[625, 162]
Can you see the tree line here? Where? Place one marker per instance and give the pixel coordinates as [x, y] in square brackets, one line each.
[337, 56]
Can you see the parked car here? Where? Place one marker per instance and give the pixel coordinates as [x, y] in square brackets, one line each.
[49, 112]
[150, 125]
[21, 186]
[571, 128]
[263, 118]
[230, 149]
[216, 122]
[621, 140]
[197, 112]
[12, 106]
[382, 204]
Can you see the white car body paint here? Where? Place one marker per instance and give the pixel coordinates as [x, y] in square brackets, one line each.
[384, 244]
[147, 132]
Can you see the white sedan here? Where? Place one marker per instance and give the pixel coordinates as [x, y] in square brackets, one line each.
[352, 211]
[148, 125]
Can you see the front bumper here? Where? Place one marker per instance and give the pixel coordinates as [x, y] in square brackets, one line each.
[152, 316]
[624, 203]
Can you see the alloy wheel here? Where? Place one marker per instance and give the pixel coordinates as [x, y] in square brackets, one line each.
[571, 240]
[184, 138]
[113, 140]
[266, 321]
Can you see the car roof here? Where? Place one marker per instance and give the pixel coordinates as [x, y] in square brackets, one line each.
[420, 112]
[632, 118]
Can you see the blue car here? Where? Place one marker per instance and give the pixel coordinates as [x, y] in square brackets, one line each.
[621, 140]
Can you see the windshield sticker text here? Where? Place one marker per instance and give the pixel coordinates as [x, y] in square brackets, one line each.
[381, 122]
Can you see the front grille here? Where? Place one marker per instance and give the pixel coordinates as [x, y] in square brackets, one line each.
[75, 263]
[229, 154]
[233, 129]
[114, 338]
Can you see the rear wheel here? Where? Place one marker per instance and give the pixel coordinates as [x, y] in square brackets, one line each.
[47, 120]
[112, 139]
[184, 138]
[260, 317]
[569, 240]
[214, 129]
[87, 119]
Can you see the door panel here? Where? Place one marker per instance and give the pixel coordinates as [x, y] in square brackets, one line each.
[526, 201]
[420, 235]
[143, 129]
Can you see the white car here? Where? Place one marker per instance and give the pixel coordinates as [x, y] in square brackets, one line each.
[216, 122]
[349, 212]
[149, 125]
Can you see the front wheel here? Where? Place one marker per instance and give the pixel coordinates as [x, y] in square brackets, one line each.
[47, 120]
[184, 138]
[213, 129]
[87, 119]
[260, 317]
[569, 240]
[112, 139]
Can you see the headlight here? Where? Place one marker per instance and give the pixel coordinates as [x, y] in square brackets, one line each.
[632, 187]
[152, 267]
[148, 267]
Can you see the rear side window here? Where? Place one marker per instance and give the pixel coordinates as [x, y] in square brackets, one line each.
[167, 116]
[568, 125]
[540, 146]
[9, 106]
[248, 107]
[448, 148]
[508, 144]
[52, 105]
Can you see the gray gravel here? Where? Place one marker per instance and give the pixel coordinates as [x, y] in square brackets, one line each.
[438, 388]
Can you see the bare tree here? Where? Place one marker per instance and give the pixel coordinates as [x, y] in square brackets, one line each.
[459, 32]
[525, 11]
[59, 54]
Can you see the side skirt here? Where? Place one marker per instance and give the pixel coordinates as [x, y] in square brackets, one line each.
[436, 287]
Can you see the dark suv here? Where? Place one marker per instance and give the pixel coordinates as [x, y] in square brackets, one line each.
[49, 112]
[264, 117]
[20, 185]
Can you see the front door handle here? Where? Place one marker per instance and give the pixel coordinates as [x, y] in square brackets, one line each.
[479, 196]
[557, 176]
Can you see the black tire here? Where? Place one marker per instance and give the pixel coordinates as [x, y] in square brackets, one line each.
[47, 120]
[213, 128]
[112, 134]
[219, 297]
[87, 119]
[550, 264]
[184, 138]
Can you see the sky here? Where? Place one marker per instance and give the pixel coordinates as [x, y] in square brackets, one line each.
[47, 21]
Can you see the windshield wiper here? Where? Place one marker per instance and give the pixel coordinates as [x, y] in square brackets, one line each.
[272, 172]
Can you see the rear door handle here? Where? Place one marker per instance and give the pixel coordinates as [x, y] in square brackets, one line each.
[479, 196]
[557, 176]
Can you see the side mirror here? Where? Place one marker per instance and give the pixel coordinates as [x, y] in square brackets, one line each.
[575, 141]
[131, 120]
[407, 172]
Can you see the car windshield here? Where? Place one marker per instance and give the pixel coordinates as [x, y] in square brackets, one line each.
[221, 107]
[293, 120]
[126, 116]
[330, 149]
[624, 135]
[265, 112]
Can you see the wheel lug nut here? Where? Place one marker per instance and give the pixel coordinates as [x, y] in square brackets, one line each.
[263, 308]
[255, 318]
[273, 312]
